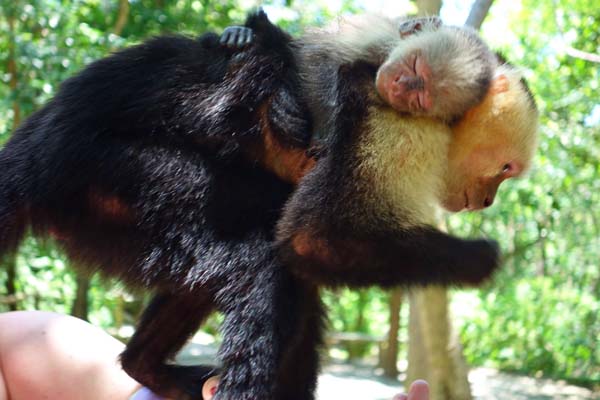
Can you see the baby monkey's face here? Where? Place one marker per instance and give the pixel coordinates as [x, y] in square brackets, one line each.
[405, 84]
[436, 71]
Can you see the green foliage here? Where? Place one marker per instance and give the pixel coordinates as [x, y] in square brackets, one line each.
[535, 325]
[358, 311]
[540, 313]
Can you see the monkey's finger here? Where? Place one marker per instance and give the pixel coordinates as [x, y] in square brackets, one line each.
[232, 39]
[241, 39]
[250, 37]
[225, 36]
[230, 35]
[244, 37]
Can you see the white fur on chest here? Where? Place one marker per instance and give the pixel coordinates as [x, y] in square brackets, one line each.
[404, 159]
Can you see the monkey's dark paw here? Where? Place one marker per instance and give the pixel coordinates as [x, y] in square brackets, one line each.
[481, 258]
[190, 380]
[236, 37]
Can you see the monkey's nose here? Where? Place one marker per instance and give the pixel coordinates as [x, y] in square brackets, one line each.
[409, 83]
[488, 201]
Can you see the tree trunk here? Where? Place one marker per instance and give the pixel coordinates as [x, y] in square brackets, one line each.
[390, 355]
[434, 325]
[357, 349]
[431, 356]
[80, 307]
[428, 7]
[478, 13]
[461, 389]
[417, 356]
[122, 17]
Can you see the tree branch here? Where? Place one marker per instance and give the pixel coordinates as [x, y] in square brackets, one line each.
[478, 13]
[583, 55]
[571, 51]
[521, 250]
[122, 17]
[12, 71]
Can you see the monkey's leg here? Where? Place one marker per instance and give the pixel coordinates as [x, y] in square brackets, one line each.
[252, 343]
[167, 323]
[297, 378]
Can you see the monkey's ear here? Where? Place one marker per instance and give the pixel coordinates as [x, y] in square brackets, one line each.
[500, 84]
[412, 25]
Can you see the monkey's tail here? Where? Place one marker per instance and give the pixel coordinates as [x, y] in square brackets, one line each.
[12, 205]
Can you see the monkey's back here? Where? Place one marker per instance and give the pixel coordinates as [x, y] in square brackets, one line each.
[135, 166]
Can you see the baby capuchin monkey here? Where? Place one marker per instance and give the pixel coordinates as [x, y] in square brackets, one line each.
[423, 68]
[384, 179]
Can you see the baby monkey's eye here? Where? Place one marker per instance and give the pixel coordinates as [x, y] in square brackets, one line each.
[506, 168]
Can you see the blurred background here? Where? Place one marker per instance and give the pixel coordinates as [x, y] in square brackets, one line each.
[531, 333]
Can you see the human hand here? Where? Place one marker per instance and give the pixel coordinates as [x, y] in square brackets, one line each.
[419, 390]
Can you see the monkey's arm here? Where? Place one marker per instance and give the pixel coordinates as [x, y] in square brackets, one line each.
[287, 115]
[328, 236]
[336, 229]
[178, 89]
[417, 256]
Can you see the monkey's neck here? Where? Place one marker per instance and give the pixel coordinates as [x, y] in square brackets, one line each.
[319, 80]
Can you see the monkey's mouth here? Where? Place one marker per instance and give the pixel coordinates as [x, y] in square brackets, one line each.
[456, 202]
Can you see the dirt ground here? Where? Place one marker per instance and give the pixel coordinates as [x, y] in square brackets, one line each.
[362, 382]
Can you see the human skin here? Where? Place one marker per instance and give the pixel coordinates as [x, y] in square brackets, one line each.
[51, 356]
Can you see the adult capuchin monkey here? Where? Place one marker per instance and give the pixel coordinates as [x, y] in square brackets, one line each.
[150, 166]
[369, 200]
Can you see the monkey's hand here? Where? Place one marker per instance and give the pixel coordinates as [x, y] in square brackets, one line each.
[480, 259]
[316, 151]
[236, 37]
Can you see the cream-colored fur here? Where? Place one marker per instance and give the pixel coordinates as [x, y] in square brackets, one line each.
[410, 163]
[504, 124]
[404, 160]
